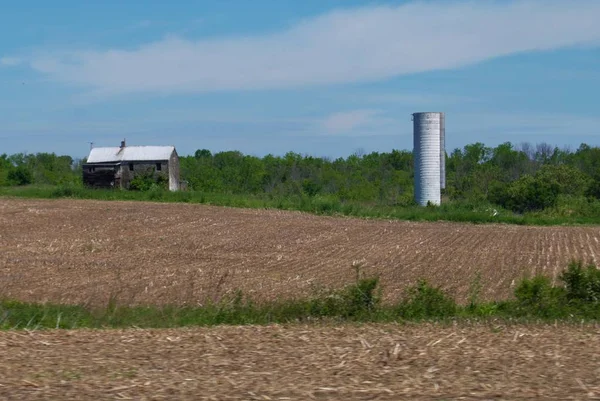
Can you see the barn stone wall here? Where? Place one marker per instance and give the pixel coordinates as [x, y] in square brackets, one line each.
[100, 175]
[129, 170]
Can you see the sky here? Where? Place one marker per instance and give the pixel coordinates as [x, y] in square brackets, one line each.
[327, 78]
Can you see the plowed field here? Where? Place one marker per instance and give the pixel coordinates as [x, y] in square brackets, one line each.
[85, 251]
[371, 362]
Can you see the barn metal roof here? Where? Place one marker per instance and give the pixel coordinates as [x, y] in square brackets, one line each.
[130, 153]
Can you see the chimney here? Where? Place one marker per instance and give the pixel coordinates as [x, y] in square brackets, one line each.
[122, 143]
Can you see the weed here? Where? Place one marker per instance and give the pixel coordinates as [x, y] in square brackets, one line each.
[423, 301]
[582, 283]
[475, 291]
[535, 298]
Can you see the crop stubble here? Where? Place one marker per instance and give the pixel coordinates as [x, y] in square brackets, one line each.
[75, 251]
[367, 362]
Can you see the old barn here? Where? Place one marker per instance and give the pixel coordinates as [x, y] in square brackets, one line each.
[116, 167]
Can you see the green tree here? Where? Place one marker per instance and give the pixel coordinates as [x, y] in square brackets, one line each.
[19, 175]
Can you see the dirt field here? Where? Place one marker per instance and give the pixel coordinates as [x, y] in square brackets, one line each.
[371, 362]
[85, 251]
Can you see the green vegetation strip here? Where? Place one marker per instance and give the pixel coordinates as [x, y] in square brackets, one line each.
[524, 184]
[455, 211]
[578, 298]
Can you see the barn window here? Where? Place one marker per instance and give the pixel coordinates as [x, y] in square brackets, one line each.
[158, 166]
[130, 166]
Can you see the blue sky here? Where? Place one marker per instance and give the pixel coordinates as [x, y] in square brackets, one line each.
[321, 77]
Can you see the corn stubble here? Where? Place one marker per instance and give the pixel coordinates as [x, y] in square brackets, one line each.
[375, 362]
[137, 253]
[133, 253]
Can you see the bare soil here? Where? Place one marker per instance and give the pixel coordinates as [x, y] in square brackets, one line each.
[146, 253]
[370, 362]
[85, 251]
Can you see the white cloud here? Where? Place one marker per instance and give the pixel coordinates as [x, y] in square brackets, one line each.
[530, 124]
[346, 121]
[354, 45]
[10, 61]
[357, 123]
[416, 99]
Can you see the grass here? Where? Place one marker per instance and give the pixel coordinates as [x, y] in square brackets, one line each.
[535, 300]
[323, 205]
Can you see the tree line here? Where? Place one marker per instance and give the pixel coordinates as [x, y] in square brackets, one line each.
[523, 178]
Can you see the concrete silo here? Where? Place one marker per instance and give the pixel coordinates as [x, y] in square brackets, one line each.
[442, 151]
[429, 156]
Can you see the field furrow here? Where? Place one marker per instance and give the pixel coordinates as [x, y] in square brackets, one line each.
[151, 253]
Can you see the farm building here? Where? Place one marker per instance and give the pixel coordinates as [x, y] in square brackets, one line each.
[116, 167]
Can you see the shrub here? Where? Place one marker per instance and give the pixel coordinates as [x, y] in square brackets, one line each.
[424, 301]
[360, 298]
[540, 191]
[582, 283]
[355, 301]
[536, 296]
[66, 191]
[325, 204]
[20, 175]
[148, 181]
[593, 189]
[571, 206]
[531, 193]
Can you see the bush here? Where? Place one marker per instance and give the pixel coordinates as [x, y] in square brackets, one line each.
[593, 189]
[529, 194]
[148, 181]
[66, 191]
[540, 191]
[20, 175]
[537, 297]
[355, 301]
[360, 298]
[424, 301]
[571, 206]
[582, 283]
[325, 204]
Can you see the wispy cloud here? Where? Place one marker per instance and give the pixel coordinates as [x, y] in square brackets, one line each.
[416, 99]
[513, 125]
[354, 45]
[346, 121]
[10, 61]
